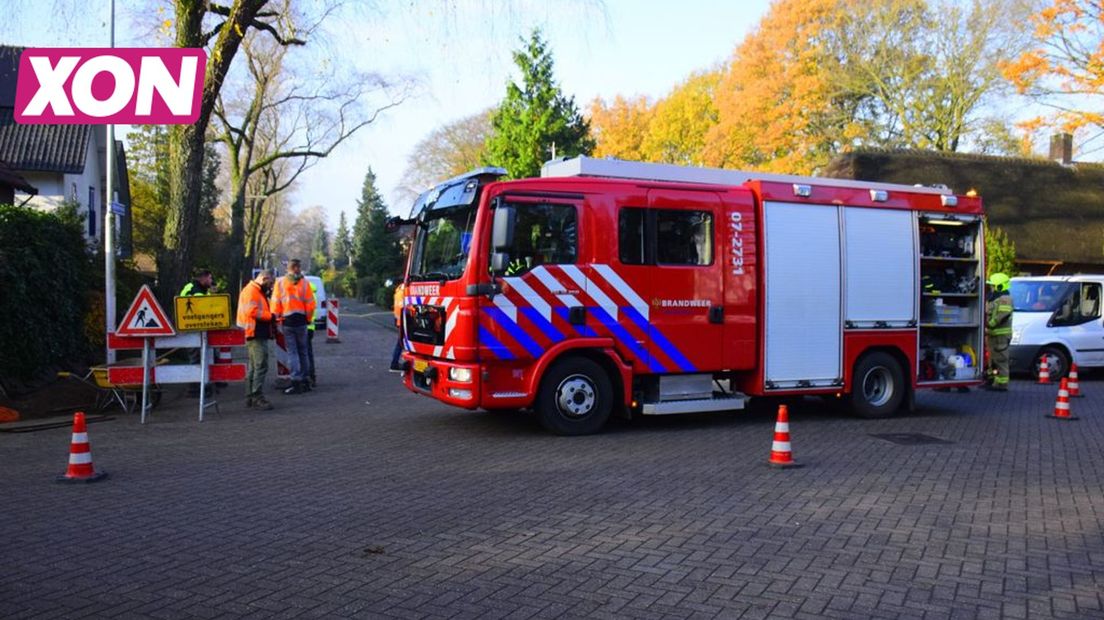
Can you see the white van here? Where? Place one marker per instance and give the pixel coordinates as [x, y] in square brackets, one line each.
[1059, 317]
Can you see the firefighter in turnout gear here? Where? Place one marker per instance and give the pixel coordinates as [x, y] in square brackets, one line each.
[998, 312]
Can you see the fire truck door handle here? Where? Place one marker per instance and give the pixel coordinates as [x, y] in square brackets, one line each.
[576, 315]
[716, 314]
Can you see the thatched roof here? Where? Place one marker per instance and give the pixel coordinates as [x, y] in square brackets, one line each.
[1052, 212]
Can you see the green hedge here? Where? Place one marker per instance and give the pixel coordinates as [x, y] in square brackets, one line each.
[45, 271]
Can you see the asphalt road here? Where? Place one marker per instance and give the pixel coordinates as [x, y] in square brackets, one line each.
[363, 500]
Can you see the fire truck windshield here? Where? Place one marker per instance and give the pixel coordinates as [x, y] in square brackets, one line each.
[443, 243]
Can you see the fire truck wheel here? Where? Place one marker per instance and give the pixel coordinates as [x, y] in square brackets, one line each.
[878, 386]
[575, 397]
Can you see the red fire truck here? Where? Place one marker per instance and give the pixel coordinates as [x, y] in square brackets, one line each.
[613, 287]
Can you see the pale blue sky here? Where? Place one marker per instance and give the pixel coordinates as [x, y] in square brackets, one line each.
[458, 53]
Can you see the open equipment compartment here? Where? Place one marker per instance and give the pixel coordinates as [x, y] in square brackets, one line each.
[952, 310]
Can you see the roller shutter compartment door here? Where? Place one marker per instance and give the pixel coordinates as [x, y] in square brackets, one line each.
[880, 266]
[803, 310]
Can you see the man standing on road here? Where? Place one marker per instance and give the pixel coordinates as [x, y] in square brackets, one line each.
[293, 305]
[396, 308]
[998, 311]
[311, 376]
[255, 317]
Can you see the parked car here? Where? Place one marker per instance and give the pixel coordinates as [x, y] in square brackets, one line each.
[319, 302]
[1058, 317]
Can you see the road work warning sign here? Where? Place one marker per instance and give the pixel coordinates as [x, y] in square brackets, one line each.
[145, 318]
[200, 313]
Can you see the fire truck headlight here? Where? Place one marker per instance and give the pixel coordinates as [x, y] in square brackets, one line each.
[460, 375]
[1016, 335]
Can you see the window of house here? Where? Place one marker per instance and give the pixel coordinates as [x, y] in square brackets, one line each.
[684, 237]
[630, 236]
[91, 211]
[544, 234]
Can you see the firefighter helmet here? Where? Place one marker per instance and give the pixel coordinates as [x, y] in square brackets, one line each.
[999, 281]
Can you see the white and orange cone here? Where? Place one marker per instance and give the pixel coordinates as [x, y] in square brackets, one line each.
[1074, 387]
[1062, 405]
[80, 455]
[781, 453]
[1044, 370]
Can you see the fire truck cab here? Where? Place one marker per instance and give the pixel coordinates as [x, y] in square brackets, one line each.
[612, 287]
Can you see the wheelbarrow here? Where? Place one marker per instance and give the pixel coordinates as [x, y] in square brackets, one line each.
[108, 394]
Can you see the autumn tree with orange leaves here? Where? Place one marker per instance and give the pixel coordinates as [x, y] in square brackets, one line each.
[1064, 69]
[777, 111]
[820, 77]
[681, 120]
[620, 127]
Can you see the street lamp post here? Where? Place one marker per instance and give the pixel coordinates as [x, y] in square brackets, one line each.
[109, 221]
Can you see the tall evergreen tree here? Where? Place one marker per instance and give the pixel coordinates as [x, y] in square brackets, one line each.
[376, 253]
[320, 249]
[342, 244]
[535, 118]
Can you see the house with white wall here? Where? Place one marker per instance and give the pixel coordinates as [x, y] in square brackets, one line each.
[62, 163]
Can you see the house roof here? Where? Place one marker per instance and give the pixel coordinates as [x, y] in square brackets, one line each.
[9, 65]
[1052, 212]
[46, 148]
[12, 179]
[35, 148]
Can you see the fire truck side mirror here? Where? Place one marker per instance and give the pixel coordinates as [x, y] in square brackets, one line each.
[502, 237]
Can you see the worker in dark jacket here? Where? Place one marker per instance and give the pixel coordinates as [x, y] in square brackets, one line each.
[202, 284]
[998, 335]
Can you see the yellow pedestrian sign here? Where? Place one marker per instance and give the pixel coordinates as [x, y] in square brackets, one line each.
[200, 313]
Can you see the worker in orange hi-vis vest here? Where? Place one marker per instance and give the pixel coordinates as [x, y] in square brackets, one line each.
[293, 307]
[255, 317]
[396, 307]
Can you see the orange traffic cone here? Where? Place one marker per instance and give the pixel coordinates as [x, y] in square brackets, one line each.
[1074, 388]
[1062, 406]
[80, 455]
[1044, 370]
[781, 455]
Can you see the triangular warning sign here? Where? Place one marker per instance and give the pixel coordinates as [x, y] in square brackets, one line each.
[145, 317]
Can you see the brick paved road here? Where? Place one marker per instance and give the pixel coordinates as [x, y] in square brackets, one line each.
[363, 500]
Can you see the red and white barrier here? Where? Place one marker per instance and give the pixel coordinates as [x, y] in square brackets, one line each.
[333, 316]
[182, 373]
[200, 373]
[224, 355]
[283, 370]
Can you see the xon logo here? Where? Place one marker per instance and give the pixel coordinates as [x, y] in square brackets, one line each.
[141, 86]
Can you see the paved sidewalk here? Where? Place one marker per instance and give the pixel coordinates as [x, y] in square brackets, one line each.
[363, 500]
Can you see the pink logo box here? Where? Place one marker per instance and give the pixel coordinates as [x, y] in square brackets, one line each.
[141, 86]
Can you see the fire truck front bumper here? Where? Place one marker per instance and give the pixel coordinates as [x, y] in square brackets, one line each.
[449, 382]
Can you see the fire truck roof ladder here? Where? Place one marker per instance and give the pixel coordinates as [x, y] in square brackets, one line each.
[621, 169]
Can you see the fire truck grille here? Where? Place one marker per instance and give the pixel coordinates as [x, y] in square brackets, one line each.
[426, 324]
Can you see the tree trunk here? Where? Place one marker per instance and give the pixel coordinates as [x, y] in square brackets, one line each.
[186, 142]
[238, 262]
[186, 165]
